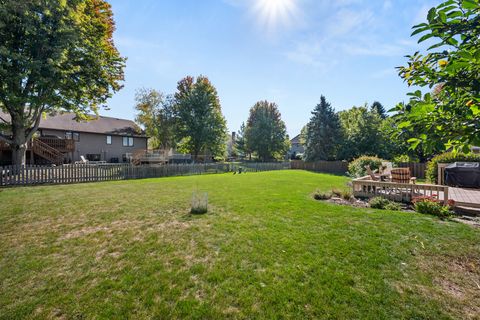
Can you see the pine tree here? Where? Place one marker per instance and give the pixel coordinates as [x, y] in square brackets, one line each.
[379, 108]
[240, 143]
[324, 134]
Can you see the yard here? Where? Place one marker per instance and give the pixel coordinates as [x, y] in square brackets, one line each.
[266, 249]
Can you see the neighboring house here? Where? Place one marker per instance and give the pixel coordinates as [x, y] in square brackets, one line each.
[296, 148]
[476, 150]
[101, 139]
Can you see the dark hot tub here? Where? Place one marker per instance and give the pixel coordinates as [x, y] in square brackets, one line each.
[463, 174]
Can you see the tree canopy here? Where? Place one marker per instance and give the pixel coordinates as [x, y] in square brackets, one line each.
[266, 133]
[323, 133]
[201, 126]
[450, 114]
[156, 114]
[361, 132]
[54, 55]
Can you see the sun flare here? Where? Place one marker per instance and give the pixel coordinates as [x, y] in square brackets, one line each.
[274, 13]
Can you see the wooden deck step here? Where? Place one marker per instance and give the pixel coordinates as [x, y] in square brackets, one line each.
[470, 211]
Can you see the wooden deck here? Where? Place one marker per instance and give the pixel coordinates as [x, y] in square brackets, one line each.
[462, 197]
[465, 197]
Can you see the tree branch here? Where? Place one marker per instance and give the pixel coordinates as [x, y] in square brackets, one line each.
[5, 138]
[32, 130]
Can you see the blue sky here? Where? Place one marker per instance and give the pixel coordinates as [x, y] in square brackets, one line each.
[289, 53]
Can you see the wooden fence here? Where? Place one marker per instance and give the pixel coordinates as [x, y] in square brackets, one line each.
[66, 174]
[416, 169]
[335, 167]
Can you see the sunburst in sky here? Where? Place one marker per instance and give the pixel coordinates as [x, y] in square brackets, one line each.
[273, 14]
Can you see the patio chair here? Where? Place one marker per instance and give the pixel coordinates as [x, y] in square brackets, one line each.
[371, 173]
[402, 175]
[82, 160]
[387, 168]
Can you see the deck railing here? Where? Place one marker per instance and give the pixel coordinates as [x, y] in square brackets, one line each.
[62, 145]
[402, 192]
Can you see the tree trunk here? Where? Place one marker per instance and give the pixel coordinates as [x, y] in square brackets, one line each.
[19, 154]
[19, 145]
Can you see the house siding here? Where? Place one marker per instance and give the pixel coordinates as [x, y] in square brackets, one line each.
[95, 143]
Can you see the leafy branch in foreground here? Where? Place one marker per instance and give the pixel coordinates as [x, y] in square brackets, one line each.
[450, 114]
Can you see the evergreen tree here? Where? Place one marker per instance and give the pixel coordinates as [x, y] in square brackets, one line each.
[266, 133]
[324, 133]
[380, 109]
[240, 144]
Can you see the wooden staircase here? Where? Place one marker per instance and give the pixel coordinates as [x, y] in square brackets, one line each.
[47, 152]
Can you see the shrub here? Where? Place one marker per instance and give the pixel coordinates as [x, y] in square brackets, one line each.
[347, 195]
[337, 192]
[429, 206]
[449, 157]
[393, 206]
[356, 168]
[319, 195]
[402, 159]
[384, 204]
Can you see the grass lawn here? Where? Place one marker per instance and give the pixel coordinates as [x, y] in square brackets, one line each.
[266, 249]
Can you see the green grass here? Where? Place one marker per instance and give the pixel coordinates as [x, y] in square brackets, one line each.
[265, 249]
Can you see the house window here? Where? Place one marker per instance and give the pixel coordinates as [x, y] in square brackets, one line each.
[128, 141]
[109, 139]
[72, 135]
[94, 157]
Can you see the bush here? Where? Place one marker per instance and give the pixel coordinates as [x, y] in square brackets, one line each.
[356, 168]
[347, 195]
[337, 192]
[319, 195]
[384, 204]
[402, 159]
[393, 206]
[429, 206]
[449, 157]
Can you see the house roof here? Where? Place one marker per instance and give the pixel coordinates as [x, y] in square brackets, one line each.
[98, 124]
[296, 139]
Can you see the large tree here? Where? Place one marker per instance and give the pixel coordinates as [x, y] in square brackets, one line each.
[323, 134]
[201, 125]
[54, 55]
[156, 113]
[266, 133]
[450, 114]
[362, 134]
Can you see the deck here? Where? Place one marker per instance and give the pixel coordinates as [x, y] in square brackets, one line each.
[465, 197]
[366, 188]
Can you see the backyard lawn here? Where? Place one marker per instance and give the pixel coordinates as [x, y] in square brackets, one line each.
[266, 249]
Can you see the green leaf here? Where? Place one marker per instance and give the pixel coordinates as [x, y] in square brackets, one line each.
[404, 124]
[470, 4]
[431, 14]
[425, 37]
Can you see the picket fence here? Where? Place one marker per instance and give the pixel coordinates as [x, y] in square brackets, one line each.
[66, 174]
